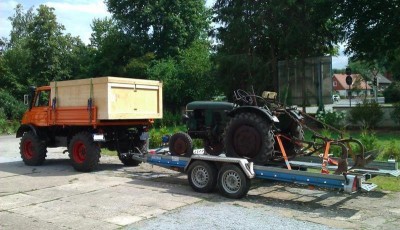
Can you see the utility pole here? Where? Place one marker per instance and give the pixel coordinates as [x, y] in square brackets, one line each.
[375, 84]
[349, 81]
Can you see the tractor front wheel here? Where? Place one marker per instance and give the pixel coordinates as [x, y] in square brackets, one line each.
[181, 144]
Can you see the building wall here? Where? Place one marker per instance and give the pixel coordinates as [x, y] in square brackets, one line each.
[386, 122]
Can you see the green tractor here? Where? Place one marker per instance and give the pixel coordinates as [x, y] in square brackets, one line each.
[246, 128]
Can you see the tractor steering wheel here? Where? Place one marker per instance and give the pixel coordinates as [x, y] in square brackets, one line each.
[241, 95]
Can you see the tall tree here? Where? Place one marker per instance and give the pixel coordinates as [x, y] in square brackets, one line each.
[162, 27]
[372, 31]
[111, 47]
[255, 35]
[46, 44]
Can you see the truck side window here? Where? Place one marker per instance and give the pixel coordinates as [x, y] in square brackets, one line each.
[42, 99]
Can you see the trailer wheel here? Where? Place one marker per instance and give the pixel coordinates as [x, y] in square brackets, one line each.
[84, 153]
[32, 149]
[249, 136]
[202, 176]
[232, 182]
[181, 144]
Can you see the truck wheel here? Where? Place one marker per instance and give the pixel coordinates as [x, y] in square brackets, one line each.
[32, 149]
[181, 144]
[232, 182]
[84, 152]
[202, 176]
[249, 136]
[126, 158]
[214, 149]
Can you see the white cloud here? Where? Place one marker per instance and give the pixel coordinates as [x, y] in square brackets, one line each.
[340, 61]
[75, 15]
[6, 10]
[74, 9]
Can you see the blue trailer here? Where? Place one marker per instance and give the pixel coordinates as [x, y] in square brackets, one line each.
[233, 176]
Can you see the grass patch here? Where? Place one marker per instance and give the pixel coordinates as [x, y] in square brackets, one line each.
[387, 183]
[107, 152]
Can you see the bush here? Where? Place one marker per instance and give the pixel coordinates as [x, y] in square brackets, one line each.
[332, 118]
[367, 114]
[368, 139]
[392, 93]
[396, 113]
[12, 108]
[7, 127]
[169, 119]
[391, 151]
[157, 134]
[3, 121]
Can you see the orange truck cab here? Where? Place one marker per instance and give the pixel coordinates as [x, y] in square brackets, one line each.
[51, 122]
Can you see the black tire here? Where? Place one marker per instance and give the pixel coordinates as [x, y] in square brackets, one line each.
[125, 158]
[181, 144]
[292, 149]
[249, 136]
[213, 148]
[84, 153]
[232, 182]
[32, 149]
[202, 176]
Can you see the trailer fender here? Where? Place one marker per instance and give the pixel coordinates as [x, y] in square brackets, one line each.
[261, 112]
[246, 166]
[26, 128]
[296, 113]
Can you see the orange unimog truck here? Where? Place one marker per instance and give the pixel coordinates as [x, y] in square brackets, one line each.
[87, 115]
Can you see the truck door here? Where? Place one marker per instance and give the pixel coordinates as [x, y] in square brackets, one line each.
[40, 108]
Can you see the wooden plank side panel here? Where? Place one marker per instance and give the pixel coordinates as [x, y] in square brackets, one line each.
[134, 102]
[72, 116]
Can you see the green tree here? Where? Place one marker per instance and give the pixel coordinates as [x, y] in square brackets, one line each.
[161, 27]
[188, 78]
[47, 44]
[254, 35]
[372, 32]
[112, 49]
[39, 52]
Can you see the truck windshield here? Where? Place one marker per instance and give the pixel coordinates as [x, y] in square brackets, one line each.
[42, 98]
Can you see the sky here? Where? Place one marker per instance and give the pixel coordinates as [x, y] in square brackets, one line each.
[77, 16]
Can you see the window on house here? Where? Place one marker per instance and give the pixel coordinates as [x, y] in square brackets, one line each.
[334, 83]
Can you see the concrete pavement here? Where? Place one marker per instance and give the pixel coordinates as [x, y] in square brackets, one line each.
[54, 196]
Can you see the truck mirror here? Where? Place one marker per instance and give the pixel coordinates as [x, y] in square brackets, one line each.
[185, 118]
[26, 99]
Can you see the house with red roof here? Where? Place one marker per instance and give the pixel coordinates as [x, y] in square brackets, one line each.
[358, 87]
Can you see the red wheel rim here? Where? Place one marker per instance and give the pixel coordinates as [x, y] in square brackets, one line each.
[79, 152]
[28, 149]
[180, 147]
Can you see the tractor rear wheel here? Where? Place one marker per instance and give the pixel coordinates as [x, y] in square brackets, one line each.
[84, 153]
[249, 136]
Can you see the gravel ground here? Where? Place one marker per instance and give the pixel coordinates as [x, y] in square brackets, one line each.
[224, 216]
